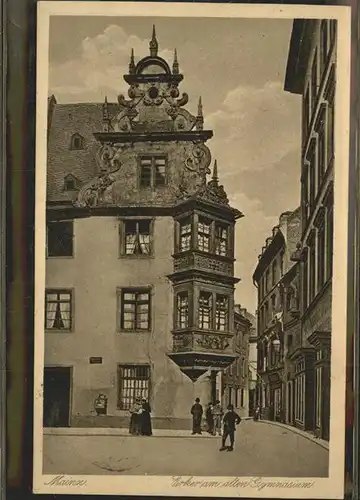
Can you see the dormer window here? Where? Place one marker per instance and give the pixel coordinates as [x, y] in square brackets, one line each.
[77, 142]
[70, 183]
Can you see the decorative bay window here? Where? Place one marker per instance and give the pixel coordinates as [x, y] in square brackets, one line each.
[196, 232]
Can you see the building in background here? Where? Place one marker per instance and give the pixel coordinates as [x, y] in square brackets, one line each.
[139, 296]
[236, 379]
[273, 270]
[311, 73]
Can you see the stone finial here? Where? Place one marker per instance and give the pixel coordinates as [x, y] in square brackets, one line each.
[132, 63]
[154, 46]
[200, 116]
[175, 67]
[215, 177]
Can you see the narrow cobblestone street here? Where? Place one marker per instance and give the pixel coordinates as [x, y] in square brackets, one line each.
[261, 450]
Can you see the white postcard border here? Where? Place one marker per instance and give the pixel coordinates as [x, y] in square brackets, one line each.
[331, 487]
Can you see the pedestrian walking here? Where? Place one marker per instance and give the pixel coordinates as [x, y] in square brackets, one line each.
[135, 418]
[230, 421]
[146, 428]
[210, 419]
[217, 412]
[197, 413]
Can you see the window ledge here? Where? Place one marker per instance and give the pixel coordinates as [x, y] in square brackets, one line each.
[60, 257]
[61, 331]
[135, 256]
[134, 331]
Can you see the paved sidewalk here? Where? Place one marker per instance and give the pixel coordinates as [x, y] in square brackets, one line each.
[305, 434]
[260, 450]
[110, 431]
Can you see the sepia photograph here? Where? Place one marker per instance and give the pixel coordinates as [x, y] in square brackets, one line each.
[191, 246]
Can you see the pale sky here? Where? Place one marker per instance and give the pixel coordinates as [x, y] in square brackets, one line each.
[238, 68]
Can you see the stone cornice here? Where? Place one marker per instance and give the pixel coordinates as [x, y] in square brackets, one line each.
[121, 138]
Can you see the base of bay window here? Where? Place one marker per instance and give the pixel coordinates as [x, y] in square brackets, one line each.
[194, 364]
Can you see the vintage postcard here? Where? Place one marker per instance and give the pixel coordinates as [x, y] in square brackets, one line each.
[191, 249]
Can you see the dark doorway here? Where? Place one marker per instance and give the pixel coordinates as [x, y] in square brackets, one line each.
[57, 384]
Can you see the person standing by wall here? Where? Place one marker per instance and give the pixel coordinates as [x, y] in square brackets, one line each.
[196, 412]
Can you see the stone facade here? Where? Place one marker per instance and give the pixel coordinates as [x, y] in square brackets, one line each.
[276, 277]
[236, 380]
[311, 73]
[140, 249]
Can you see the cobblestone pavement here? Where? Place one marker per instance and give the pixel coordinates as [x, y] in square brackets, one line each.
[260, 450]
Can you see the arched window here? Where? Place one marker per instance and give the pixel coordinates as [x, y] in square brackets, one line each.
[77, 142]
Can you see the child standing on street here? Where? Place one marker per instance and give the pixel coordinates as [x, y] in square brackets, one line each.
[230, 421]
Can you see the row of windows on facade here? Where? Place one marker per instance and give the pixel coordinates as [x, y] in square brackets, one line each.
[137, 237]
[135, 381]
[152, 173]
[318, 73]
[276, 269]
[134, 310]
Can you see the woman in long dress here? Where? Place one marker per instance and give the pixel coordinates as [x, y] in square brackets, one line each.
[135, 419]
[146, 428]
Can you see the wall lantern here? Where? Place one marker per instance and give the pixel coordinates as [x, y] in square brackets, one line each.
[276, 344]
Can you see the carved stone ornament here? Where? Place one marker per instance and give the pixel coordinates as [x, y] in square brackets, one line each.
[214, 192]
[198, 160]
[213, 342]
[92, 193]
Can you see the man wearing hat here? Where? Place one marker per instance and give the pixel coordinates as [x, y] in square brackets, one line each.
[230, 421]
[196, 412]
